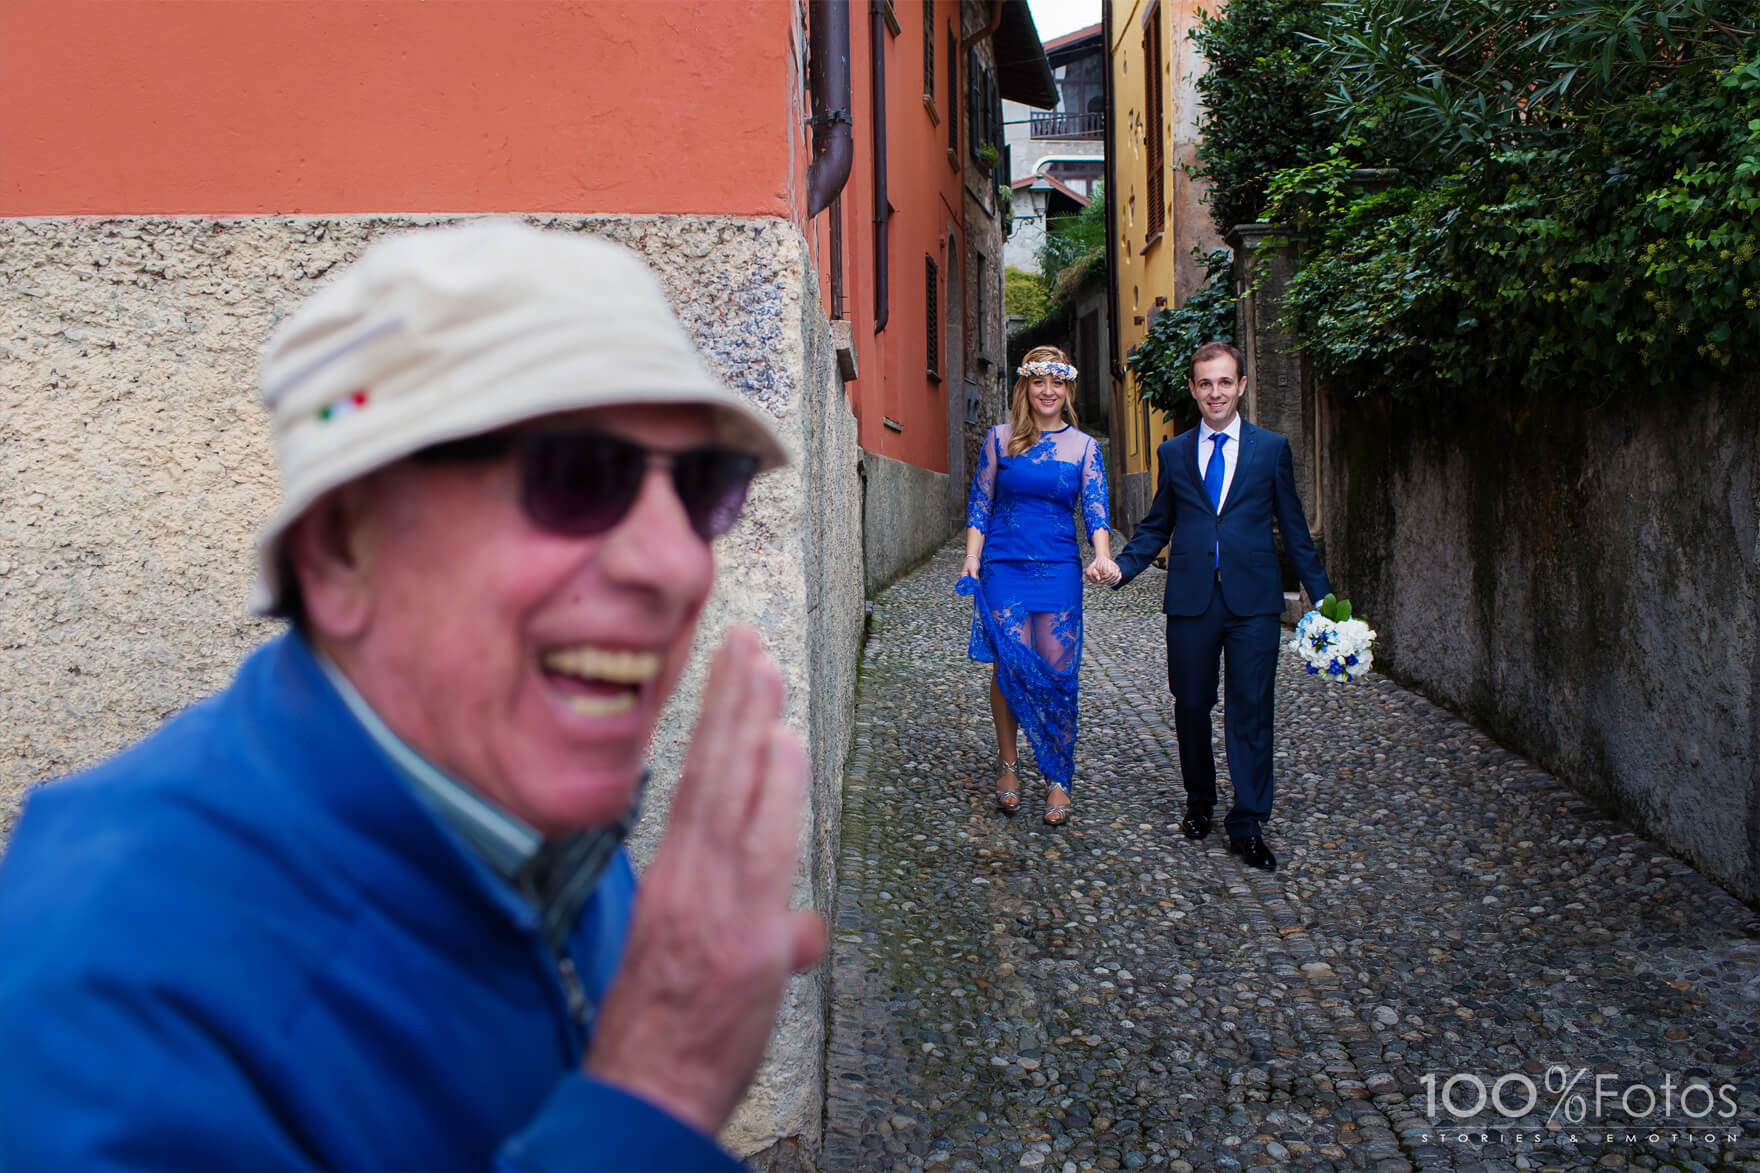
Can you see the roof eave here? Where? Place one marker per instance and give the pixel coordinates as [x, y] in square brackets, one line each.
[1023, 73]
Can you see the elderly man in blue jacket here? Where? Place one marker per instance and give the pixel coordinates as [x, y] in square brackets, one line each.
[1222, 484]
[368, 908]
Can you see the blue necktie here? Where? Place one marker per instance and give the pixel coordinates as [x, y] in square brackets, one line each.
[1213, 474]
[1215, 470]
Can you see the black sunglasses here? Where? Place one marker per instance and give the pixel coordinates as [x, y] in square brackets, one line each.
[583, 482]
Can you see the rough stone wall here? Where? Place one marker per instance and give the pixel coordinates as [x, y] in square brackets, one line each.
[1583, 581]
[135, 467]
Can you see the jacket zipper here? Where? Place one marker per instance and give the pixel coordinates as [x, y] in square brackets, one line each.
[573, 990]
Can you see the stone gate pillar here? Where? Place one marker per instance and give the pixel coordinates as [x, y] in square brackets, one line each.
[1280, 390]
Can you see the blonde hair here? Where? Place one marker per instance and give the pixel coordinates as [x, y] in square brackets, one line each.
[1024, 426]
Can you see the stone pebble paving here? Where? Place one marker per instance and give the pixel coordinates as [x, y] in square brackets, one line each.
[1111, 996]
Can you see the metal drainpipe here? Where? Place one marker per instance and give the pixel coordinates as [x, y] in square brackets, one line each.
[1110, 169]
[828, 77]
[882, 211]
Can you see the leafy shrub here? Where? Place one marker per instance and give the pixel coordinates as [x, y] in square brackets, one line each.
[1023, 294]
[1578, 202]
[1264, 100]
[1074, 248]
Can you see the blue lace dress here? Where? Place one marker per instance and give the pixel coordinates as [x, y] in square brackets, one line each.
[1027, 613]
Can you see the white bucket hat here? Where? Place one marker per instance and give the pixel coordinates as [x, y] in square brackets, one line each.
[440, 333]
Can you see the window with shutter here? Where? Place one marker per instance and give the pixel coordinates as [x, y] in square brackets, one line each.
[983, 307]
[952, 96]
[974, 103]
[929, 52]
[932, 310]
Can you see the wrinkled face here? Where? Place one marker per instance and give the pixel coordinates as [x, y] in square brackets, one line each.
[1047, 394]
[530, 665]
[1217, 387]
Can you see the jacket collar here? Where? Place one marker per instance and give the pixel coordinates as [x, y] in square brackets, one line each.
[1245, 461]
[331, 765]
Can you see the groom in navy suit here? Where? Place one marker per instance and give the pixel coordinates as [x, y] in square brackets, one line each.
[1222, 484]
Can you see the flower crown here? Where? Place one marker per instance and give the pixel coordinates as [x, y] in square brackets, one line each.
[1058, 370]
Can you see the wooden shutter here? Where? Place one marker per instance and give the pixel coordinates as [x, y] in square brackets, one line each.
[932, 310]
[1152, 124]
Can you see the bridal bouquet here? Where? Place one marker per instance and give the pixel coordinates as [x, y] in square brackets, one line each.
[1333, 644]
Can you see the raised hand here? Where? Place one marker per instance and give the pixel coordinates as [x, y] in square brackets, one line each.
[713, 939]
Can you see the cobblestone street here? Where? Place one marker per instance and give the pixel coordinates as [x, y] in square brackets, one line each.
[1109, 995]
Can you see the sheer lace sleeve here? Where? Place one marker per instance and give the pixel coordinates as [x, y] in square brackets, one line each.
[983, 495]
[1093, 489]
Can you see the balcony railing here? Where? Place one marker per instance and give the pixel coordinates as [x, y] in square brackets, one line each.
[1069, 125]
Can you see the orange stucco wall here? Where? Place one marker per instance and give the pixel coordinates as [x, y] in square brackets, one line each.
[231, 107]
[332, 107]
[924, 191]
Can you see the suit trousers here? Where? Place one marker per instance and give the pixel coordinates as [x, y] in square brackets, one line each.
[1196, 647]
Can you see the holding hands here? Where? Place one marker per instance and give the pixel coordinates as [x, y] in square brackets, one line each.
[1103, 570]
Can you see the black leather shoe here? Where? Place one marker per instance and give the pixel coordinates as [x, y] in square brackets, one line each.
[1253, 850]
[1196, 824]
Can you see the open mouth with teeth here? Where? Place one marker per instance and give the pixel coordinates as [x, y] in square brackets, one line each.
[600, 682]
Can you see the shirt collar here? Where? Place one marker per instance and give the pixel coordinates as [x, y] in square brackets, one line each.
[557, 877]
[1232, 431]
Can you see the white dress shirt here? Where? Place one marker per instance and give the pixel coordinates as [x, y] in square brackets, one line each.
[1230, 453]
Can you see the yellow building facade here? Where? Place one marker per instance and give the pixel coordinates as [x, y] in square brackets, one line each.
[1158, 210]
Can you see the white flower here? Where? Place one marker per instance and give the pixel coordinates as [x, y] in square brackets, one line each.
[1338, 651]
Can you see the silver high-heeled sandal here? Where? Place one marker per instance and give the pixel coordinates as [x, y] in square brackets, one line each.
[1009, 801]
[1057, 816]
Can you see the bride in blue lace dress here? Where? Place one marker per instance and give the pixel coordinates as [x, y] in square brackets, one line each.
[1024, 568]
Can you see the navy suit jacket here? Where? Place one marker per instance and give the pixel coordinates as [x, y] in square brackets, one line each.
[1182, 519]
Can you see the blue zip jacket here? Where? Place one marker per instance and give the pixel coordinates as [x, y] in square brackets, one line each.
[245, 943]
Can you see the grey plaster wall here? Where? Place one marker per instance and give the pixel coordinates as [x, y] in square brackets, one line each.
[135, 467]
[904, 517]
[1585, 583]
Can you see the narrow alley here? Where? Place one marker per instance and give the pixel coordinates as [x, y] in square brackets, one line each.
[1458, 965]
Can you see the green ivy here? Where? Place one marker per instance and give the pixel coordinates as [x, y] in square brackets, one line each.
[1162, 362]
